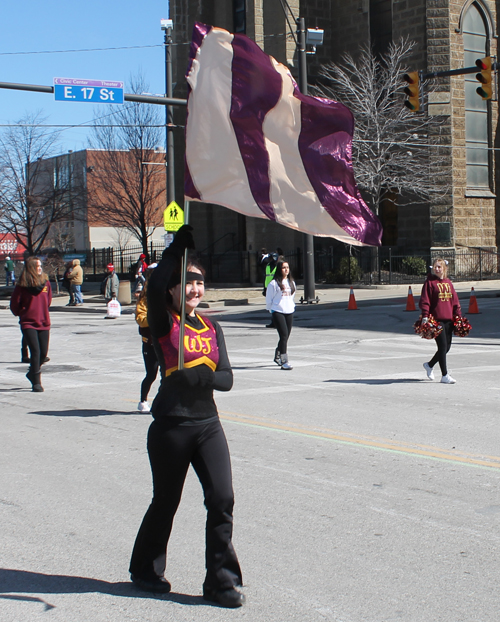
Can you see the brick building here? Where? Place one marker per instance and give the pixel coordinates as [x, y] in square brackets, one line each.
[96, 180]
[449, 34]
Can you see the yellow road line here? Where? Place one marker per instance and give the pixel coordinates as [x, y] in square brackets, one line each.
[425, 451]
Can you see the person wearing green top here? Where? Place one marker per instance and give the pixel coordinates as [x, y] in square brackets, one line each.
[270, 261]
[10, 275]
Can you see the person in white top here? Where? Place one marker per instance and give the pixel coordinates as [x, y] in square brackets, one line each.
[280, 302]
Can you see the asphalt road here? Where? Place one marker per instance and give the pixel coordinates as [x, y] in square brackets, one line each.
[364, 492]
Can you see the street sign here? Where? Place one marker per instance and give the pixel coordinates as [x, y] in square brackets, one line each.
[70, 256]
[173, 217]
[93, 91]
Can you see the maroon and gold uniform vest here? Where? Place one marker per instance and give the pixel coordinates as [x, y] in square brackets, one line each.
[200, 345]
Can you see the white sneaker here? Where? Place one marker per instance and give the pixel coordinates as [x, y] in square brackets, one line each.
[448, 379]
[429, 370]
[143, 407]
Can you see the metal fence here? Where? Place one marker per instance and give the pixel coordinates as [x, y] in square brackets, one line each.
[335, 264]
[384, 266]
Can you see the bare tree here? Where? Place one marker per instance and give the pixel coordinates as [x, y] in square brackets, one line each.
[62, 237]
[130, 180]
[54, 265]
[32, 197]
[121, 237]
[392, 147]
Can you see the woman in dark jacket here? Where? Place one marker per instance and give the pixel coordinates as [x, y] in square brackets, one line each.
[187, 430]
[30, 302]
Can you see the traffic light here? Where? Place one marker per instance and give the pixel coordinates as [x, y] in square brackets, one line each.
[412, 90]
[485, 90]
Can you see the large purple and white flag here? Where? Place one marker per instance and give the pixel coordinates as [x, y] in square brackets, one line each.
[256, 145]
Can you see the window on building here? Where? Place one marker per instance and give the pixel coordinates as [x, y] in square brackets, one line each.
[388, 214]
[63, 173]
[380, 25]
[239, 16]
[476, 45]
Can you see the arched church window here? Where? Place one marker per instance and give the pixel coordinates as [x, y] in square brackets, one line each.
[477, 122]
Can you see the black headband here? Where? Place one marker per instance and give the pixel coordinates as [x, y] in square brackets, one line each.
[190, 276]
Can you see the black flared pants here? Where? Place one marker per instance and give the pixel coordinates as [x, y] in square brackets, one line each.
[172, 447]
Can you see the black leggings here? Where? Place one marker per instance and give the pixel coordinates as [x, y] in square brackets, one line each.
[172, 447]
[443, 343]
[151, 365]
[38, 345]
[283, 323]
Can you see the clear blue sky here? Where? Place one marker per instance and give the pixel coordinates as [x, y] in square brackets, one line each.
[59, 26]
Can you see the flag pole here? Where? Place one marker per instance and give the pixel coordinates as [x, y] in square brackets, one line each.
[182, 310]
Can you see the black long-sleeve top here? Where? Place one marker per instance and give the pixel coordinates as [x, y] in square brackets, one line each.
[176, 397]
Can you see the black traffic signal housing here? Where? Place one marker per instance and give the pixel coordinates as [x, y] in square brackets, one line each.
[412, 90]
[486, 88]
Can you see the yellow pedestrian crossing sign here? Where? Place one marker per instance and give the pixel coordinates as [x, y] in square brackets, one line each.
[173, 217]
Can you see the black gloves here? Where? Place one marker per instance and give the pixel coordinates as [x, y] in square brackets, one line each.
[183, 239]
[199, 376]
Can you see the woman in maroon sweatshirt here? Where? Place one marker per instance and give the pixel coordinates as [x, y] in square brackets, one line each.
[440, 300]
[30, 302]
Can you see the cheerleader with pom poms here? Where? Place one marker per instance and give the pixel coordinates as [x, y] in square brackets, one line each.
[441, 316]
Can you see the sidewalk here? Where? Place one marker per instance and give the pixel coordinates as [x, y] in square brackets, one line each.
[246, 298]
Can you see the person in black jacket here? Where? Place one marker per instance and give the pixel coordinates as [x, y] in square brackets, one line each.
[187, 430]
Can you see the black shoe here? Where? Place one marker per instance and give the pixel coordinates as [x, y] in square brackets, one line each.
[26, 359]
[277, 357]
[37, 388]
[270, 325]
[230, 598]
[45, 360]
[159, 585]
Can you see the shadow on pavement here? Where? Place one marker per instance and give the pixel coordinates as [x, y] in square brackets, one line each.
[378, 381]
[49, 368]
[81, 413]
[380, 315]
[322, 317]
[14, 581]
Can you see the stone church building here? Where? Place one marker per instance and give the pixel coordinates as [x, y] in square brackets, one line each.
[449, 34]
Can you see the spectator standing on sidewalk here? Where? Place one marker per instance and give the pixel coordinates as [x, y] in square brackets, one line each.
[440, 300]
[10, 274]
[111, 284]
[66, 284]
[140, 269]
[280, 302]
[269, 261]
[30, 301]
[75, 278]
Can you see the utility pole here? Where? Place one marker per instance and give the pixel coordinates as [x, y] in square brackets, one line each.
[167, 26]
[308, 239]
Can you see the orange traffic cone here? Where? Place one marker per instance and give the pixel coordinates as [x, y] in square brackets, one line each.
[410, 303]
[352, 306]
[473, 308]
